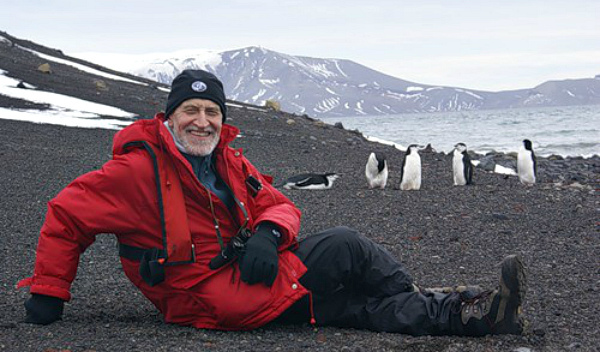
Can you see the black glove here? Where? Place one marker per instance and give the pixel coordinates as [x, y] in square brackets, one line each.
[42, 309]
[259, 261]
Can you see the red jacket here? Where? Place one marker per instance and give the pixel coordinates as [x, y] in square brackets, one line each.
[121, 198]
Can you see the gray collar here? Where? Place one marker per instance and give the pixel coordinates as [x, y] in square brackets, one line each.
[178, 144]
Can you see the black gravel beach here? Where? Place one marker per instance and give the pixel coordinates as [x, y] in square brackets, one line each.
[445, 235]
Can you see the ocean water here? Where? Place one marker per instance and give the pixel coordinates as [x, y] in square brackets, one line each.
[566, 131]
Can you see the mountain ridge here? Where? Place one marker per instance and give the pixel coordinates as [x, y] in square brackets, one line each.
[323, 87]
[340, 87]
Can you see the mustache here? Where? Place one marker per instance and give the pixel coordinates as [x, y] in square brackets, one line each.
[196, 129]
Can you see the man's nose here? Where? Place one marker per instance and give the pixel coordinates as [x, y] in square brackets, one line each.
[201, 119]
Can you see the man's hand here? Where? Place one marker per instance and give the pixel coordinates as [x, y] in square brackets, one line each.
[259, 263]
[42, 309]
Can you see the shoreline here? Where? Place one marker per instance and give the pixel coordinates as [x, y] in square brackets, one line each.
[481, 154]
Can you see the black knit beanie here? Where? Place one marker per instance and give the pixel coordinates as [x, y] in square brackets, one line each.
[191, 84]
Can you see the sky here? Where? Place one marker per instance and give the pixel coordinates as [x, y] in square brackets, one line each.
[484, 45]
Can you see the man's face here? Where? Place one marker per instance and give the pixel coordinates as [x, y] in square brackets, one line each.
[197, 124]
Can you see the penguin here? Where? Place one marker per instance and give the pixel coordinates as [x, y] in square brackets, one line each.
[376, 171]
[311, 181]
[410, 175]
[526, 164]
[462, 169]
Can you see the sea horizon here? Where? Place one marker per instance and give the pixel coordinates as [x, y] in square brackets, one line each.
[568, 131]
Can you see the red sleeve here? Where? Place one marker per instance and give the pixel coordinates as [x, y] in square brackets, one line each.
[94, 203]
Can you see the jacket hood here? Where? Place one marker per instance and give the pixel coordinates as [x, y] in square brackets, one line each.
[154, 132]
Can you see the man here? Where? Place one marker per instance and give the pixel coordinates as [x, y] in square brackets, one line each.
[212, 244]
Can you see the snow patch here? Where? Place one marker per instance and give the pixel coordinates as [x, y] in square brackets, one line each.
[63, 110]
[246, 107]
[82, 67]
[327, 104]
[383, 141]
[499, 169]
[259, 94]
[337, 65]
[5, 40]
[268, 82]
[63, 117]
[322, 70]
[331, 91]
[468, 93]
[414, 89]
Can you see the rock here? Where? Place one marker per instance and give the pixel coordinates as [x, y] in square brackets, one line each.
[555, 157]
[574, 345]
[499, 216]
[487, 163]
[45, 68]
[522, 349]
[429, 149]
[508, 163]
[291, 121]
[101, 85]
[577, 185]
[338, 125]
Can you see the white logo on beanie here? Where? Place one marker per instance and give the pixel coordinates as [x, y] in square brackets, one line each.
[199, 86]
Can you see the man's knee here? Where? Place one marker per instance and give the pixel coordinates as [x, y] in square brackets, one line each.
[348, 237]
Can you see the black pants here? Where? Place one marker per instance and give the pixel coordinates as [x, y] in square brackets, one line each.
[357, 283]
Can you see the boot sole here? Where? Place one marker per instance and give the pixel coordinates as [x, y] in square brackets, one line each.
[513, 281]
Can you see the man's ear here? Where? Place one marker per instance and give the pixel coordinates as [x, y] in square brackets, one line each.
[170, 122]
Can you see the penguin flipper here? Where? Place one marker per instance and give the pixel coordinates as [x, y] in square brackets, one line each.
[468, 169]
[304, 182]
[402, 168]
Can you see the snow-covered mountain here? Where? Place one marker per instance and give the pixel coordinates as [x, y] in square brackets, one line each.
[336, 87]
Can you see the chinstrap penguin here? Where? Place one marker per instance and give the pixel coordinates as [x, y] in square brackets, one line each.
[376, 171]
[526, 164]
[311, 181]
[462, 169]
[410, 175]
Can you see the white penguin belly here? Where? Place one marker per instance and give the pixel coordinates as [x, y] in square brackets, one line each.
[411, 179]
[458, 170]
[525, 168]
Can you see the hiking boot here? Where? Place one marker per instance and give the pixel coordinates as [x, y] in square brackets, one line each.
[497, 311]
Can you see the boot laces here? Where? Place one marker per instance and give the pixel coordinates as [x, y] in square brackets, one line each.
[477, 302]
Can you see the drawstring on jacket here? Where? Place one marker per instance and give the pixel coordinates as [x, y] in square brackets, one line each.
[313, 321]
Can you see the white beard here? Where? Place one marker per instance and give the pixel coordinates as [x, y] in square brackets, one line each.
[199, 148]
